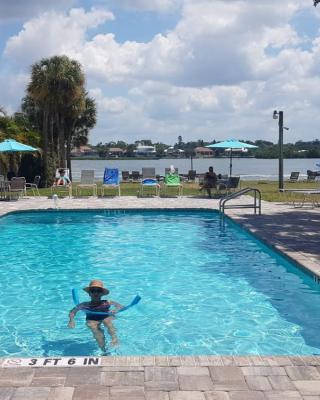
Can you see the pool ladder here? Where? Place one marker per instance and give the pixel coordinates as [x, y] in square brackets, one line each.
[256, 205]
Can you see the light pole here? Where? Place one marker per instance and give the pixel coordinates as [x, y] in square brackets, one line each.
[279, 115]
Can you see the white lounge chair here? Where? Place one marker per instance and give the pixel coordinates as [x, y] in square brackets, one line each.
[149, 180]
[62, 183]
[87, 181]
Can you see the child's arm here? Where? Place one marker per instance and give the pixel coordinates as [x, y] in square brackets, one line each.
[116, 305]
[72, 314]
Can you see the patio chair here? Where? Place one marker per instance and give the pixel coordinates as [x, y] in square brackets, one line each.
[111, 180]
[87, 182]
[191, 177]
[4, 186]
[135, 176]
[62, 183]
[34, 185]
[125, 176]
[312, 176]
[149, 180]
[294, 177]
[231, 184]
[173, 181]
[17, 186]
[201, 178]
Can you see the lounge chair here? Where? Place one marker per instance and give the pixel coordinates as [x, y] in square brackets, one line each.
[34, 185]
[135, 176]
[173, 181]
[125, 176]
[17, 186]
[63, 183]
[201, 178]
[111, 180]
[3, 187]
[231, 184]
[149, 180]
[191, 177]
[87, 181]
[312, 176]
[294, 177]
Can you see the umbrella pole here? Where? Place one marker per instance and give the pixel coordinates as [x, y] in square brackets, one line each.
[230, 162]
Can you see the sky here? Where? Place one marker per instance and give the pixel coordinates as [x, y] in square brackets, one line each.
[159, 69]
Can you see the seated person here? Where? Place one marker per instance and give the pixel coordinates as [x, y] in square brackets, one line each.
[210, 181]
[62, 179]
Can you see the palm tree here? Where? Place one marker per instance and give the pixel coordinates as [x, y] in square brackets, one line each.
[56, 88]
[80, 119]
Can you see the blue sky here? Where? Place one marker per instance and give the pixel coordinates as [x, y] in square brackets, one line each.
[210, 69]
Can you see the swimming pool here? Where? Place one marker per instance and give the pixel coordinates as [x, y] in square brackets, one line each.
[205, 288]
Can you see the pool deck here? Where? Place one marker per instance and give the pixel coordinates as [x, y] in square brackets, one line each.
[294, 231]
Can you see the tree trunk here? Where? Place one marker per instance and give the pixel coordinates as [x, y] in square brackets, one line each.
[62, 151]
[45, 146]
[69, 156]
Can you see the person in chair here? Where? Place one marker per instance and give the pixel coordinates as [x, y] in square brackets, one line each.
[209, 182]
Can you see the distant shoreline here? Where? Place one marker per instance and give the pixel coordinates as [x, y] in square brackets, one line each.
[152, 158]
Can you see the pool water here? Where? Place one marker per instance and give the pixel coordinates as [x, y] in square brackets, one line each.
[205, 288]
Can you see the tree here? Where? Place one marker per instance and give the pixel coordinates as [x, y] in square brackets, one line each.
[57, 91]
[17, 127]
[315, 2]
[78, 123]
[160, 148]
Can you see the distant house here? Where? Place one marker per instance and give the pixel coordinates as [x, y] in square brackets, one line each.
[172, 152]
[145, 151]
[116, 152]
[203, 152]
[83, 151]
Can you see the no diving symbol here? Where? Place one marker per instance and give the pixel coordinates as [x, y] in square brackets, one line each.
[13, 361]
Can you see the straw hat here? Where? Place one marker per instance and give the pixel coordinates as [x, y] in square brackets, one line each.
[96, 284]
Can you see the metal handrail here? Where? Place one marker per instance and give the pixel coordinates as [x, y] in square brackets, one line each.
[231, 196]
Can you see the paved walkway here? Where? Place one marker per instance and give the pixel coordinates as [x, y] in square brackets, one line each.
[169, 378]
[294, 231]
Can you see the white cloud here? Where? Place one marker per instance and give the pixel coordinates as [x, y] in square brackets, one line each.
[12, 90]
[54, 33]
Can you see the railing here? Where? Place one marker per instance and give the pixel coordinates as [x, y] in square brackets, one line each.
[255, 205]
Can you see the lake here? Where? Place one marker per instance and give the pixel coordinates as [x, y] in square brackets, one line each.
[247, 168]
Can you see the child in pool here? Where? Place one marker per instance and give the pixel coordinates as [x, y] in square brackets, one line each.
[96, 290]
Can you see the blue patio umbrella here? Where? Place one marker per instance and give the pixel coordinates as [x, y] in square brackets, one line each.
[232, 144]
[12, 146]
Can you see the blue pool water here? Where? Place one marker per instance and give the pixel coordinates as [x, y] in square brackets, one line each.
[206, 289]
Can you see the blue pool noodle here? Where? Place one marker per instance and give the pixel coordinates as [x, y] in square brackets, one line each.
[75, 297]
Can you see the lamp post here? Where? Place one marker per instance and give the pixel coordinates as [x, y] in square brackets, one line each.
[279, 115]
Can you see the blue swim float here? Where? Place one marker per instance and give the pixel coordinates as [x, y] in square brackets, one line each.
[75, 297]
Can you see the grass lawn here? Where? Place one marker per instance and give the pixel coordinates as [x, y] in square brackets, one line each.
[269, 189]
